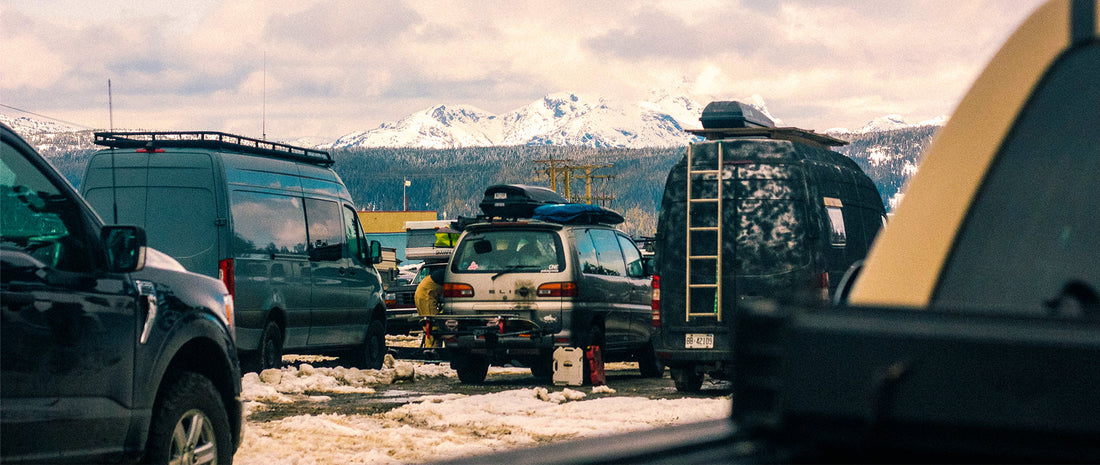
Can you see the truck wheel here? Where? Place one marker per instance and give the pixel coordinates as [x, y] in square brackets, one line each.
[648, 363]
[190, 424]
[372, 353]
[686, 378]
[271, 346]
[471, 368]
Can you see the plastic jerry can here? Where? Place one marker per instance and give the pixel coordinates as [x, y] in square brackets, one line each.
[568, 366]
[595, 362]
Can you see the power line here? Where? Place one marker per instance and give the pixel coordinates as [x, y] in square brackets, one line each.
[47, 117]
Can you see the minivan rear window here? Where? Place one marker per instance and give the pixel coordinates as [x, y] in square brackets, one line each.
[513, 251]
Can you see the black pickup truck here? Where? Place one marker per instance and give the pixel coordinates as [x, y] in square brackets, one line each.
[972, 333]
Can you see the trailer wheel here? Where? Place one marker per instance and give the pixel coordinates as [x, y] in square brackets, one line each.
[471, 368]
[686, 378]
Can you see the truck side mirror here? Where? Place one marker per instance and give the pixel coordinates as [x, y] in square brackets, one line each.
[125, 248]
[375, 252]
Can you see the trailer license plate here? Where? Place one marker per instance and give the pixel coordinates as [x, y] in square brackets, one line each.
[698, 341]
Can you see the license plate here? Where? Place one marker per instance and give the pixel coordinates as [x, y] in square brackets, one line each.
[698, 341]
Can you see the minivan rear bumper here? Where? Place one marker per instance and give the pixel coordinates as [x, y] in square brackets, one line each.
[486, 334]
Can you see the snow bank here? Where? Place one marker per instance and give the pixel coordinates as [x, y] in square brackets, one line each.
[454, 425]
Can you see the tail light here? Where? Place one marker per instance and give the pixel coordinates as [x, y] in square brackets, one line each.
[655, 304]
[566, 289]
[225, 274]
[457, 290]
[823, 285]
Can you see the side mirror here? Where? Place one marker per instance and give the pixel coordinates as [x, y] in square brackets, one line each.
[125, 248]
[375, 252]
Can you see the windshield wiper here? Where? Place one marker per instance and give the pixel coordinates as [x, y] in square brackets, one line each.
[513, 269]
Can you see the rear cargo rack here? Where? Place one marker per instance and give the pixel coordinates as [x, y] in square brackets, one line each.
[789, 133]
[211, 140]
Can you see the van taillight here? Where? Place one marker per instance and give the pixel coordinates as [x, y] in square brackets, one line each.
[225, 273]
[655, 304]
[454, 290]
[567, 289]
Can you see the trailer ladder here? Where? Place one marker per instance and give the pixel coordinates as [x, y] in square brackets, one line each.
[704, 262]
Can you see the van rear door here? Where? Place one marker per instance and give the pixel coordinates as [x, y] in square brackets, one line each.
[155, 190]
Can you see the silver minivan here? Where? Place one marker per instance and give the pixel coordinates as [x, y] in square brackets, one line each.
[517, 289]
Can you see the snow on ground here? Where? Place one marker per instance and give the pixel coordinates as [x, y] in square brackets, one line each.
[438, 427]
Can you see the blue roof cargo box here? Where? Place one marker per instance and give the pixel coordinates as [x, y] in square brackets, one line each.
[517, 200]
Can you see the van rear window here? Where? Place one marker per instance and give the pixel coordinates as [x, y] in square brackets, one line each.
[511, 251]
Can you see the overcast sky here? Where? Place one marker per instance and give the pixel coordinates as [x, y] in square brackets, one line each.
[334, 67]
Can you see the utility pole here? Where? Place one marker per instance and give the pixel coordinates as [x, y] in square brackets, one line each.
[589, 178]
[553, 170]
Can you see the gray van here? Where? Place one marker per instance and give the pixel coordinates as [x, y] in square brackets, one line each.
[753, 212]
[516, 289]
[274, 222]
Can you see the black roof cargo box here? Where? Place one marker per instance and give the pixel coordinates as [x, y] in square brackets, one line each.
[517, 200]
[726, 115]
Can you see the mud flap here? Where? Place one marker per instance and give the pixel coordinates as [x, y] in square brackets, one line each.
[595, 364]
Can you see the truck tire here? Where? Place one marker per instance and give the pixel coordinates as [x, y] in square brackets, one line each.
[471, 368]
[190, 424]
[372, 353]
[686, 378]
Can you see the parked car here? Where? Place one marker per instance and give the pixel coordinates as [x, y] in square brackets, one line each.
[516, 289]
[109, 350]
[273, 221]
[971, 334]
[754, 212]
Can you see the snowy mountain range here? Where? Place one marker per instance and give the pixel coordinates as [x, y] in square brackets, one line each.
[556, 119]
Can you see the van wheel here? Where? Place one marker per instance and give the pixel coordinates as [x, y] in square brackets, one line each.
[471, 368]
[648, 363]
[686, 378]
[190, 424]
[372, 353]
[271, 346]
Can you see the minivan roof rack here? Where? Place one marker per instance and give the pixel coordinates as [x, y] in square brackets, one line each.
[792, 134]
[212, 140]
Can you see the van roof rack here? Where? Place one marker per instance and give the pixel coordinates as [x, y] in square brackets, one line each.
[211, 140]
[792, 134]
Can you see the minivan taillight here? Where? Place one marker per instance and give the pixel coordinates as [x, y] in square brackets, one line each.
[225, 273]
[566, 289]
[457, 290]
[655, 304]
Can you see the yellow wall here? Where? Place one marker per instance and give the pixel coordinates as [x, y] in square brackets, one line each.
[392, 221]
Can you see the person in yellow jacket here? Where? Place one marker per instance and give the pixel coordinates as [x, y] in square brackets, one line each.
[427, 297]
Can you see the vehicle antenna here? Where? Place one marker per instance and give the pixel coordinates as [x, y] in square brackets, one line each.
[263, 116]
[111, 126]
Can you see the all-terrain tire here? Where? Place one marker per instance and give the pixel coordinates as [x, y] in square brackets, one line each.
[542, 367]
[190, 424]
